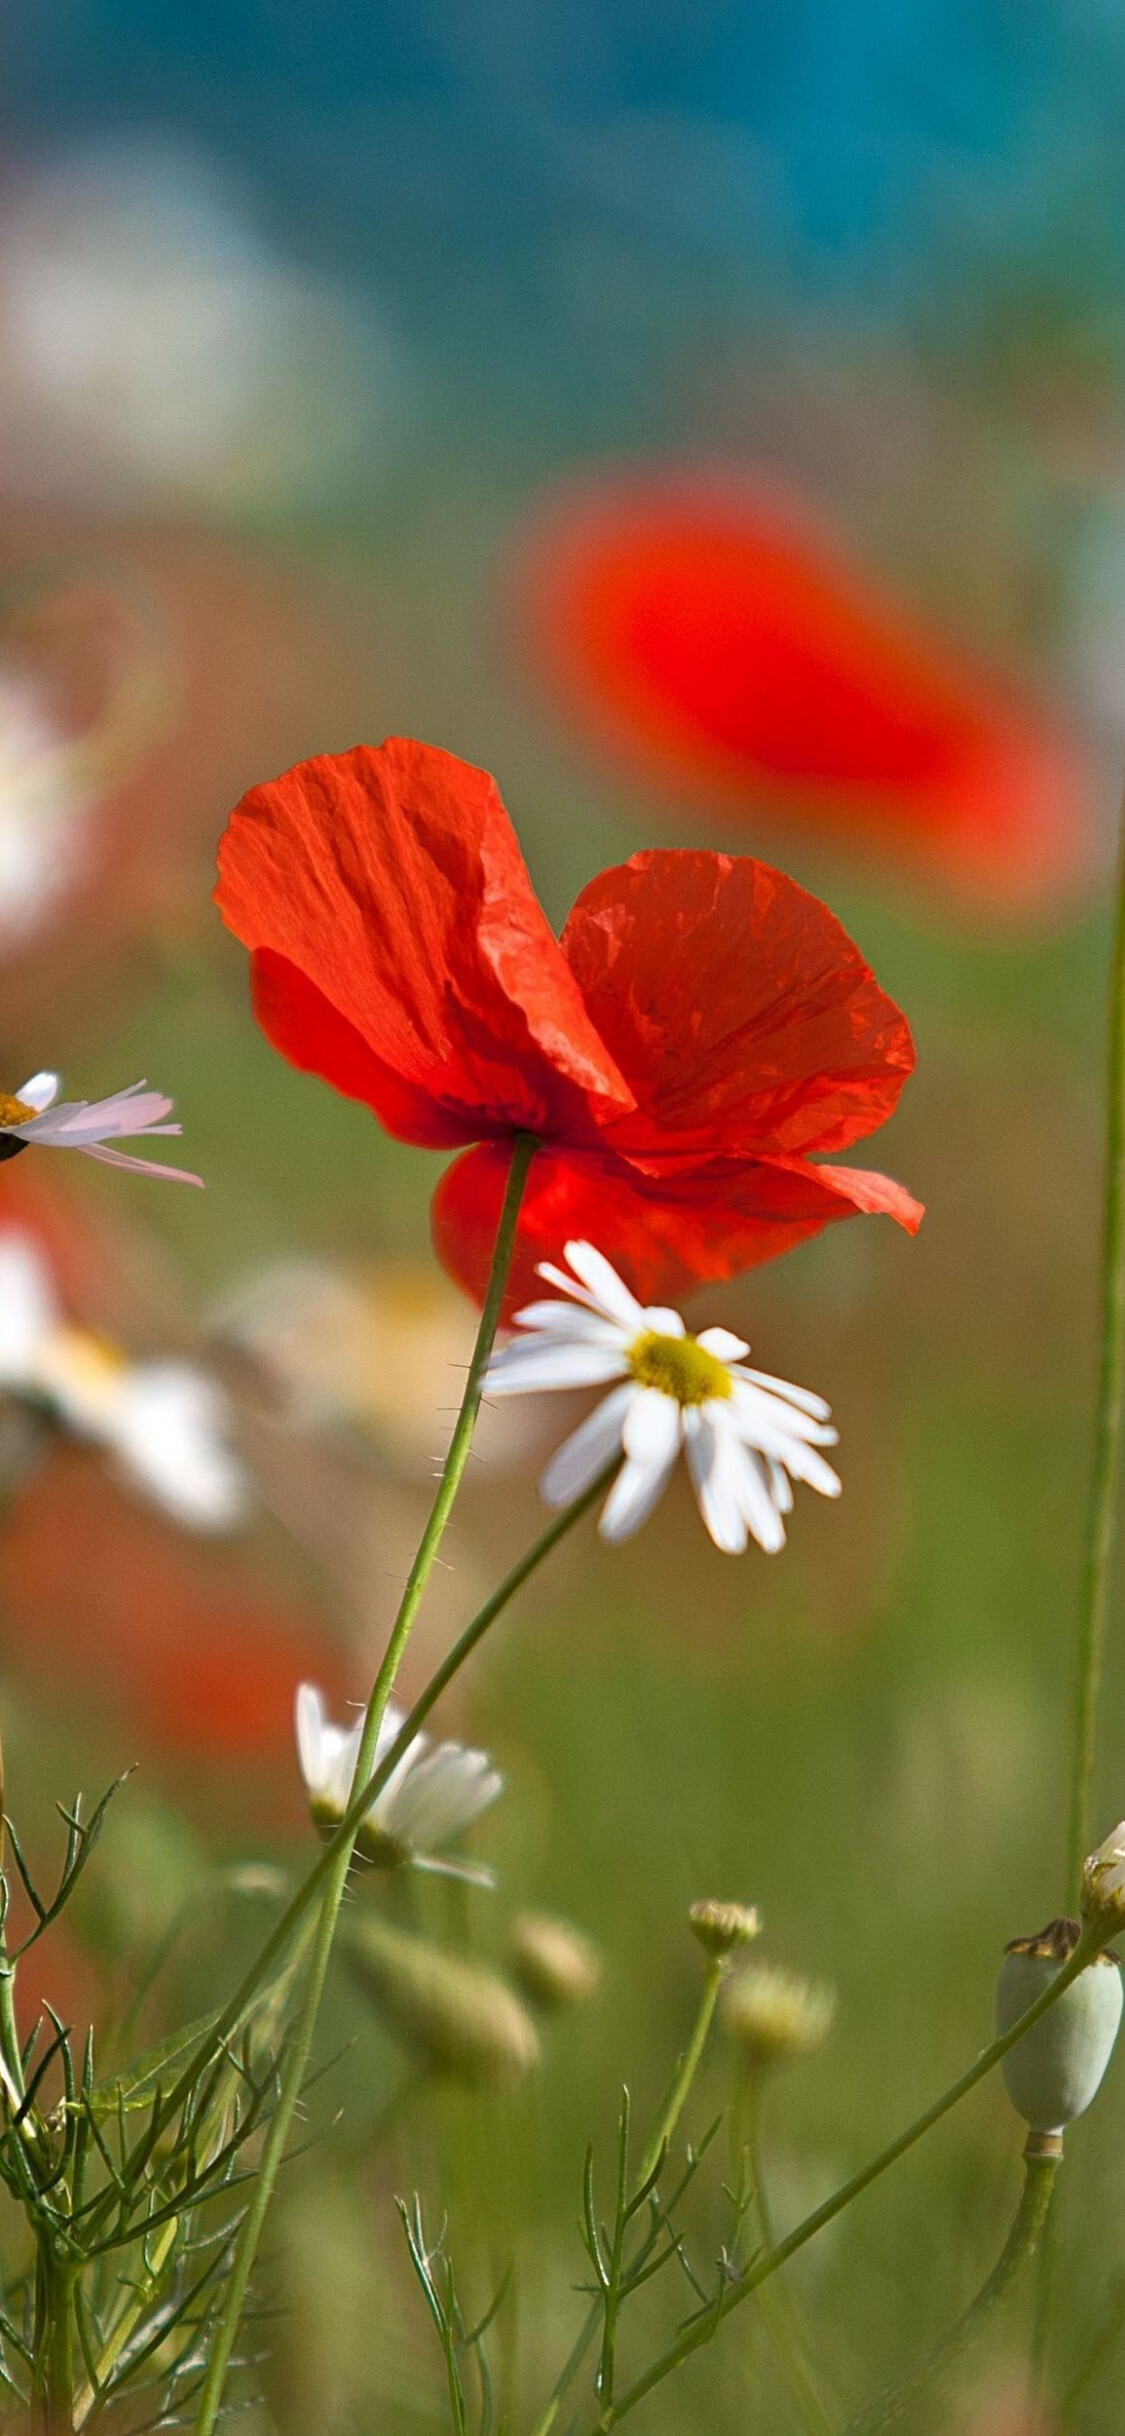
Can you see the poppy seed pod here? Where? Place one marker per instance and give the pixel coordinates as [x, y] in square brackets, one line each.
[1053, 2072]
[458, 2016]
[556, 1966]
[722, 1927]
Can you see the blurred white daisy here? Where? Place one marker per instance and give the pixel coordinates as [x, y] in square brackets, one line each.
[37, 1116]
[434, 1793]
[44, 809]
[163, 1422]
[746, 1436]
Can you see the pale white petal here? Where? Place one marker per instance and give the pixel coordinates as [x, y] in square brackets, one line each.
[581, 1456]
[311, 1718]
[756, 1409]
[710, 1450]
[536, 1365]
[752, 1484]
[781, 1487]
[724, 1346]
[663, 1322]
[441, 1796]
[639, 1485]
[602, 1281]
[574, 1321]
[136, 1167]
[168, 1430]
[805, 1464]
[28, 1305]
[802, 1397]
[39, 1090]
[653, 1427]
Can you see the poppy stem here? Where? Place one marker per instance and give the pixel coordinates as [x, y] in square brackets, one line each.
[297, 2061]
[1102, 1514]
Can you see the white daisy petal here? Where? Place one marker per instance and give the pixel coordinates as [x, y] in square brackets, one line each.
[781, 1487]
[29, 1309]
[581, 1457]
[535, 1366]
[602, 1280]
[39, 1090]
[639, 1486]
[653, 1427]
[585, 1327]
[662, 1322]
[802, 1397]
[757, 1410]
[805, 1464]
[750, 1480]
[724, 1346]
[167, 1427]
[714, 1478]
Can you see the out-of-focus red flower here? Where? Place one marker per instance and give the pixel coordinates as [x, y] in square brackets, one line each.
[703, 629]
[700, 1030]
[184, 1656]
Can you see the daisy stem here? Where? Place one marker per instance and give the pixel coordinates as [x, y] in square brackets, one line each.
[1102, 1516]
[700, 2328]
[296, 2063]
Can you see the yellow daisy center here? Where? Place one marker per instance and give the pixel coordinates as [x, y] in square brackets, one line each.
[14, 1112]
[679, 1366]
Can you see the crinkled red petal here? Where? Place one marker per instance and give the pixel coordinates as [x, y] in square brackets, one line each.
[665, 1238]
[429, 983]
[744, 1017]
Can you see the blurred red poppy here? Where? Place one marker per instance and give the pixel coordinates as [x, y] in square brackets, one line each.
[700, 1029]
[703, 629]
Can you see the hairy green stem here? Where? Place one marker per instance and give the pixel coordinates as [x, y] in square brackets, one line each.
[661, 2137]
[1023, 2239]
[1102, 1514]
[700, 2328]
[297, 2060]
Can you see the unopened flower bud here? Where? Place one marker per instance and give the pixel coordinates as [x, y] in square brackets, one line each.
[556, 1966]
[461, 2017]
[1053, 2072]
[773, 2014]
[722, 1927]
[1103, 1884]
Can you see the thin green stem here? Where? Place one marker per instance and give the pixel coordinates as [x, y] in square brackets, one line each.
[1102, 1513]
[713, 1977]
[297, 2061]
[660, 2140]
[1023, 2239]
[700, 2328]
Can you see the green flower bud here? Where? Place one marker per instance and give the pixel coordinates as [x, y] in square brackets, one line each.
[722, 1927]
[1053, 2072]
[556, 1966]
[461, 2017]
[773, 2014]
[1103, 1884]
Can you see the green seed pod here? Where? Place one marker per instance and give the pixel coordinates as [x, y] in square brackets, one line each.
[556, 1966]
[772, 2014]
[722, 1927]
[459, 2016]
[1052, 2073]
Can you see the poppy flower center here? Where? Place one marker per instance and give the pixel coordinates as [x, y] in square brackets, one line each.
[679, 1366]
[14, 1112]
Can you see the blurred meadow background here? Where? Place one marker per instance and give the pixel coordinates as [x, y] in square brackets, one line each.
[377, 370]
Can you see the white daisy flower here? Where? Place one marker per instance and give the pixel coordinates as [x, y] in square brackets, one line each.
[163, 1422]
[434, 1793]
[37, 1115]
[746, 1436]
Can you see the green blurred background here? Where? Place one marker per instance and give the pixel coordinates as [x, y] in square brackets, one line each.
[269, 439]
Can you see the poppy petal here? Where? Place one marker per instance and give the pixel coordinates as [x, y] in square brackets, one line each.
[713, 636]
[430, 984]
[665, 1237]
[744, 1017]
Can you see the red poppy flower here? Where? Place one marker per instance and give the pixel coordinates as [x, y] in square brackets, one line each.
[700, 1030]
[705, 630]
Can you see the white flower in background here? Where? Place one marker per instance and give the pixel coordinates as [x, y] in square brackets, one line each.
[746, 1435]
[36, 1116]
[163, 1422]
[44, 809]
[154, 349]
[434, 1793]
